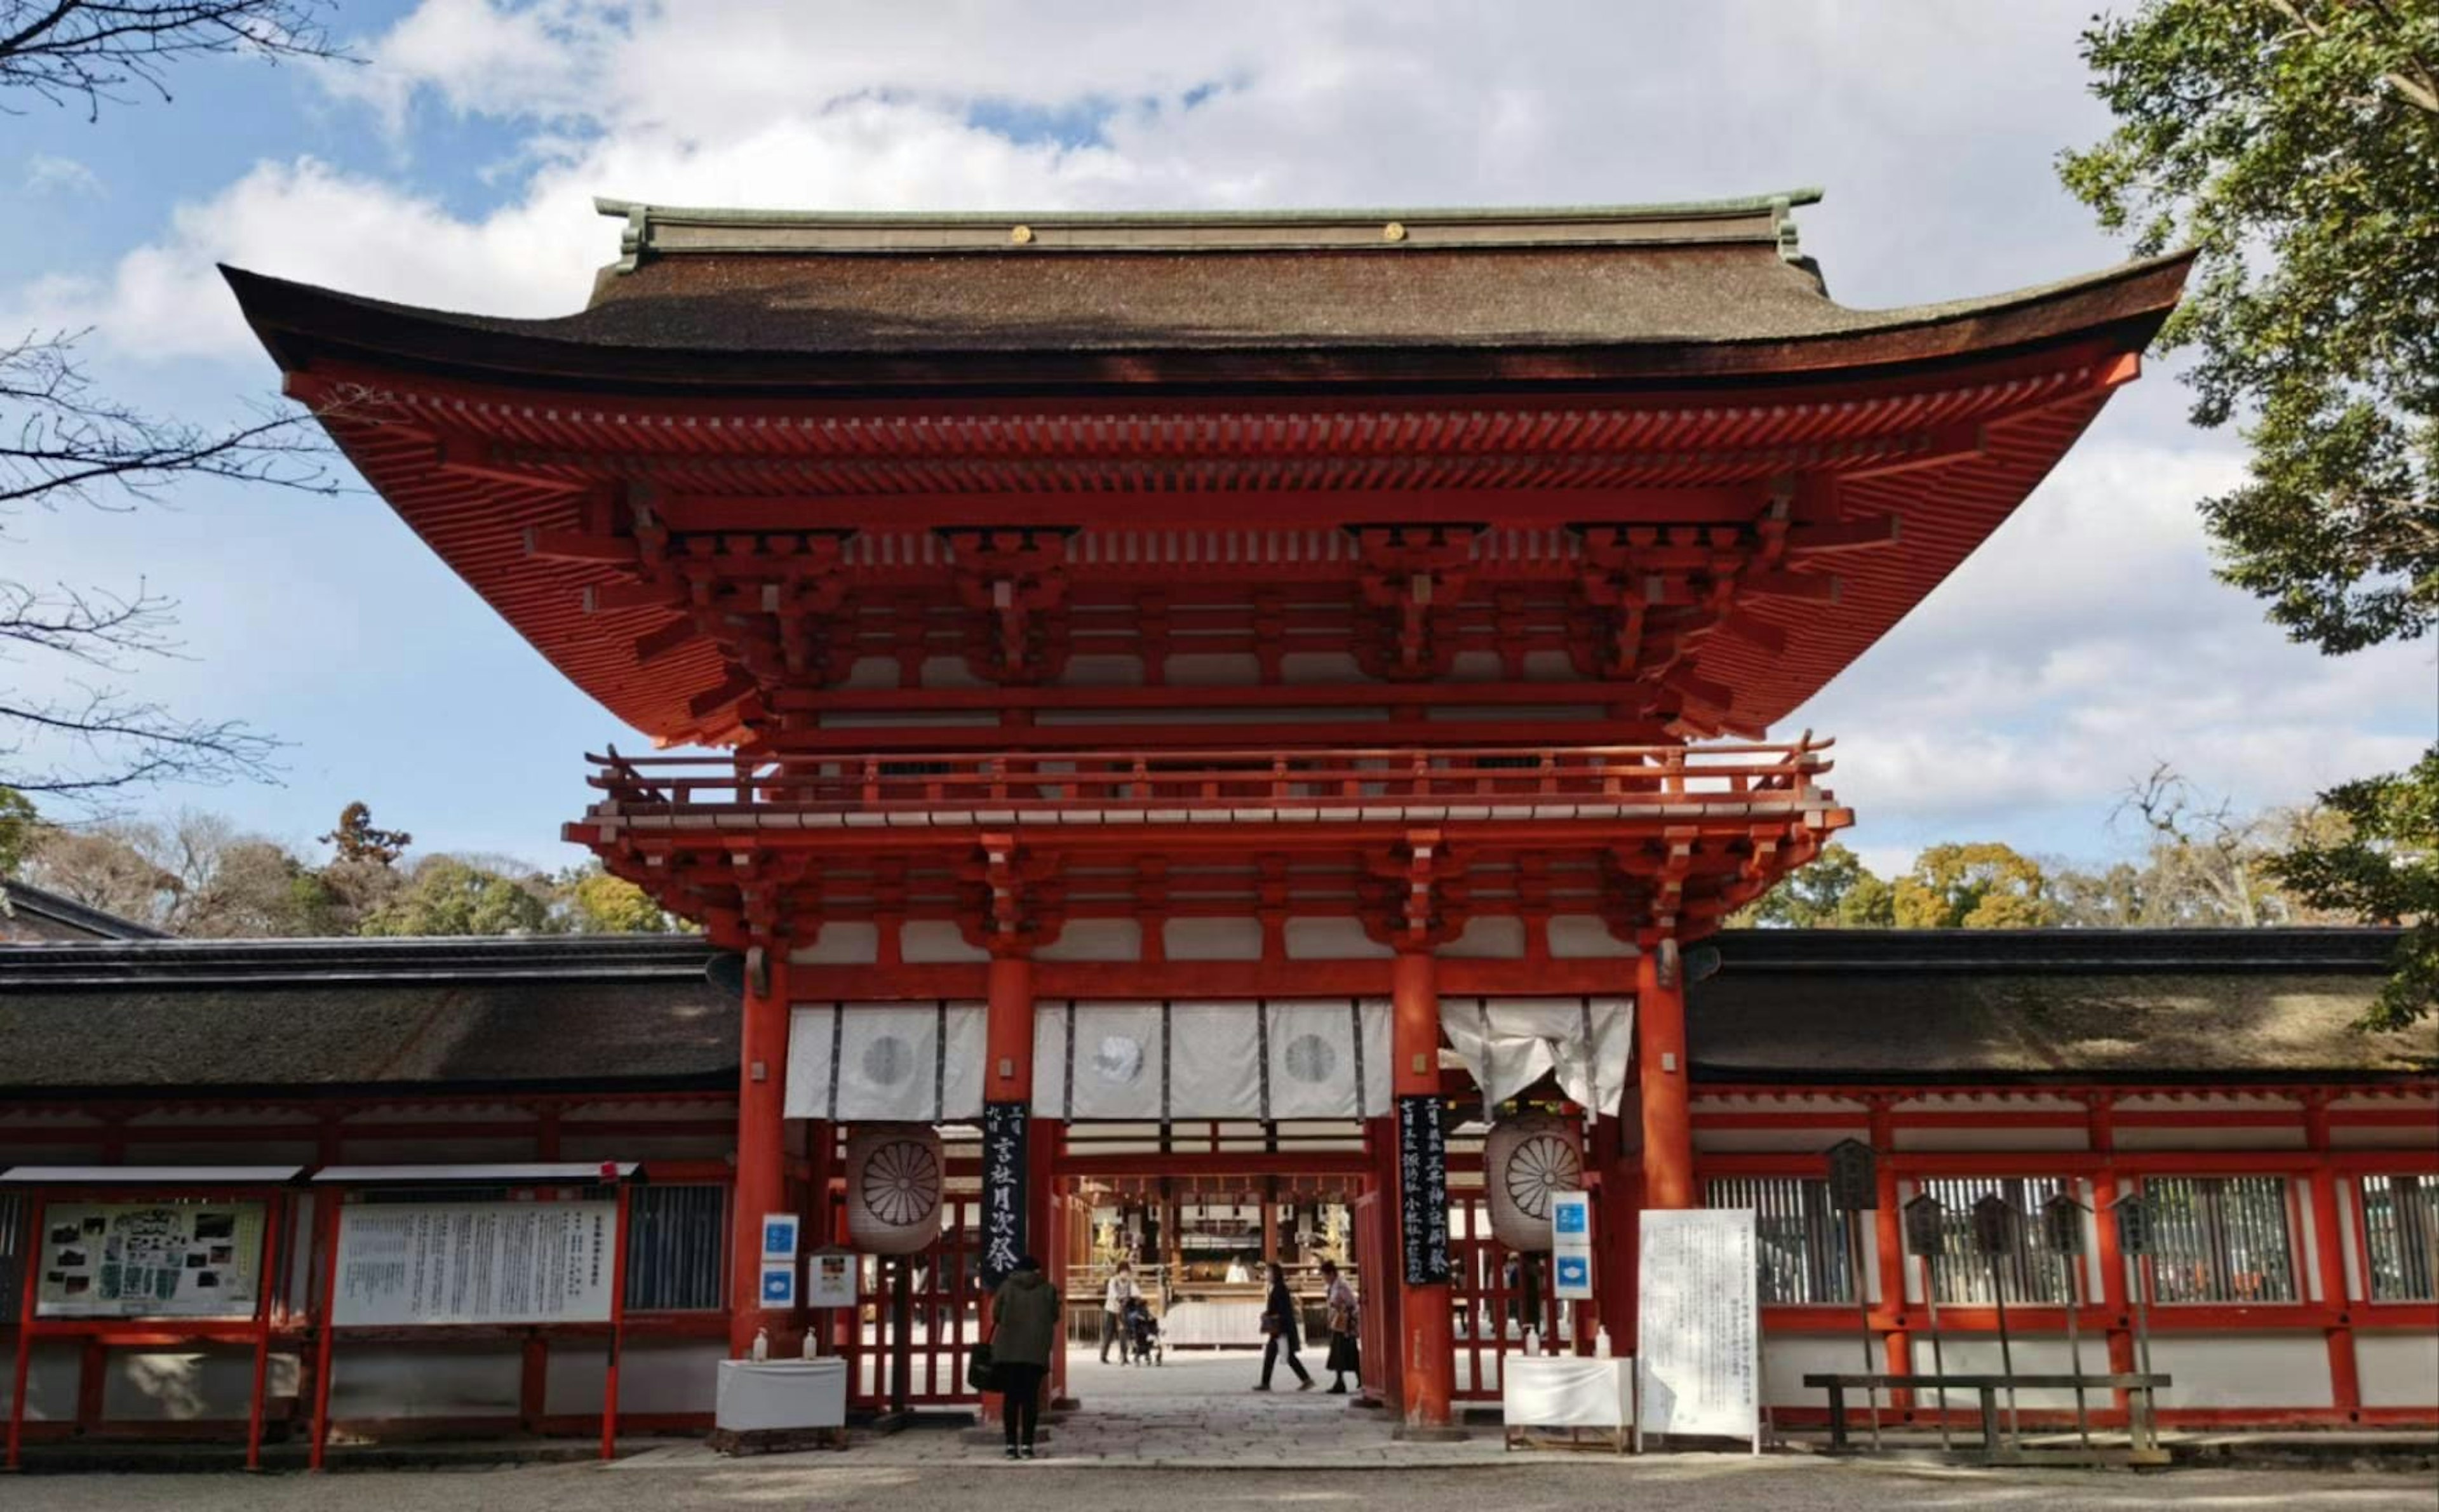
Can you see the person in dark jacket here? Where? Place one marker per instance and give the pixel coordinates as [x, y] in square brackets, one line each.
[1279, 1322]
[1024, 1328]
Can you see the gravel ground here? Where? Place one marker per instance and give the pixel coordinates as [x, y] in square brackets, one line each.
[1781, 1484]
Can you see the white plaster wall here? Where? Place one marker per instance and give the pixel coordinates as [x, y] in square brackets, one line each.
[1095, 939]
[1306, 667]
[950, 672]
[1212, 939]
[936, 942]
[1332, 939]
[159, 1386]
[51, 1371]
[576, 1145]
[1489, 938]
[1584, 937]
[1990, 1139]
[2360, 1137]
[1786, 1359]
[840, 944]
[2242, 1370]
[1802, 1140]
[433, 1151]
[1474, 667]
[185, 1150]
[655, 1375]
[1101, 669]
[1213, 670]
[2398, 1369]
[2035, 1355]
[2143, 1138]
[390, 1380]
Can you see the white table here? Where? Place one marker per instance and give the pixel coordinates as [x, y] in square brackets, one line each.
[1562, 1390]
[1208, 1324]
[766, 1395]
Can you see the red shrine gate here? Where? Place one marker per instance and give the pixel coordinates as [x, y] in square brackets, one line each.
[1234, 607]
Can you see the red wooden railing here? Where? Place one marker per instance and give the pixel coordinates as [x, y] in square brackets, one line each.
[881, 784]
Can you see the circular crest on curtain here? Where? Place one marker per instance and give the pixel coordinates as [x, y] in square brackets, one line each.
[894, 1175]
[1524, 1161]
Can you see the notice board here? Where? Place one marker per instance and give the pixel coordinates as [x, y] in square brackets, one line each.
[410, 1263]
[1422, 1190]
[1699, 1350]
[148, 1259]
[1004, 1183]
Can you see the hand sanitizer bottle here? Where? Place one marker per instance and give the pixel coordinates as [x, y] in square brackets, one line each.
[1600, 1345]
[812, 1337]
[1527, 1346]
[761, 1344]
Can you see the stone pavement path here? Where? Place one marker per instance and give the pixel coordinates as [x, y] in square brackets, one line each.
[1196, 1409]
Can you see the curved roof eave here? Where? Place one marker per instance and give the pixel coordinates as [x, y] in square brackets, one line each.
[301, 323]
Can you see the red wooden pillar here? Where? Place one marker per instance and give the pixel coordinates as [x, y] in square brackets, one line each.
[1888, 1245]
[2345, 1380]
[1430, 1362]
[762, 1138]
[1668, 1101]
[2102, 1135]
[31, 1252]
[1008, 1076]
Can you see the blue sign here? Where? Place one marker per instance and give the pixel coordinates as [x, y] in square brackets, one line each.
[779, 1285]
[1570, 1218]
[1575, 1274]
[779, 1236]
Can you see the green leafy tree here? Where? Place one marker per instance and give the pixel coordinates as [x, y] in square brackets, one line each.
[2385, 869]
[2295, 145]
[595, 903]
[447, 896]
[18, 822]
[1871, 903]
[1836, 891]
[1981, 885]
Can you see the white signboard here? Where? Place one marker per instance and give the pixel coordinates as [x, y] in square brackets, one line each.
[148, 1259]
[1699, 1354]
[406, 1263]
[830, 1279]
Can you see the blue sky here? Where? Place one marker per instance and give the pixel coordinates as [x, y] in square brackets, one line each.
[455, 166]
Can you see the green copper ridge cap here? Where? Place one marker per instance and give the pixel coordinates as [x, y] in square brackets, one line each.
[701, 229]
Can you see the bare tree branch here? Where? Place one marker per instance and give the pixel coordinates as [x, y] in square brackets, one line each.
[91, 51]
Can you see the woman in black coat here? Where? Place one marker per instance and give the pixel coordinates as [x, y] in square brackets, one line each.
[1279, 1323]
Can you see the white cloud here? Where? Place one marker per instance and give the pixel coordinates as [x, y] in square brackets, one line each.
[49, 173]
[2084, 640]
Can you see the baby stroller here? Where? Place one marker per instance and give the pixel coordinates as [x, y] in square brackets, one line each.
[1143, 1332]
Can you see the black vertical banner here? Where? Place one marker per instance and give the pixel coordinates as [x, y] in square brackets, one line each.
[1422, 1189]
[1002, 1189]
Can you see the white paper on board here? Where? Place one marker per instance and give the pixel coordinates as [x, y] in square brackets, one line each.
[1698, 1351]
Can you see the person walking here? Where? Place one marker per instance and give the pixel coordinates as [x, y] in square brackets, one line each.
[1024, 1328]
[1279, 1323]
[1114, 1298]
[1345, 1329]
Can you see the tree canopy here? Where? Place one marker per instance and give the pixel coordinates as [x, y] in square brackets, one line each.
[2294, 144]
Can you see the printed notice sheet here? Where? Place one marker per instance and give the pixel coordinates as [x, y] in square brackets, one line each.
[406, 1263]
[1699, 1349]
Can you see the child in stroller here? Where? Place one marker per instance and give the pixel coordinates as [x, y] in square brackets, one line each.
[1143, 1332]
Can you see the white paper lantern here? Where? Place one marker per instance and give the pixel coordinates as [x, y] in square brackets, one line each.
[894, 1174]
[1524, 1161]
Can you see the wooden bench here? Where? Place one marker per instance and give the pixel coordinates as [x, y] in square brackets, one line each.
[1997, 1448]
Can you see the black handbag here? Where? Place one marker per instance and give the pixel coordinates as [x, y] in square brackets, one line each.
[982, 1371]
